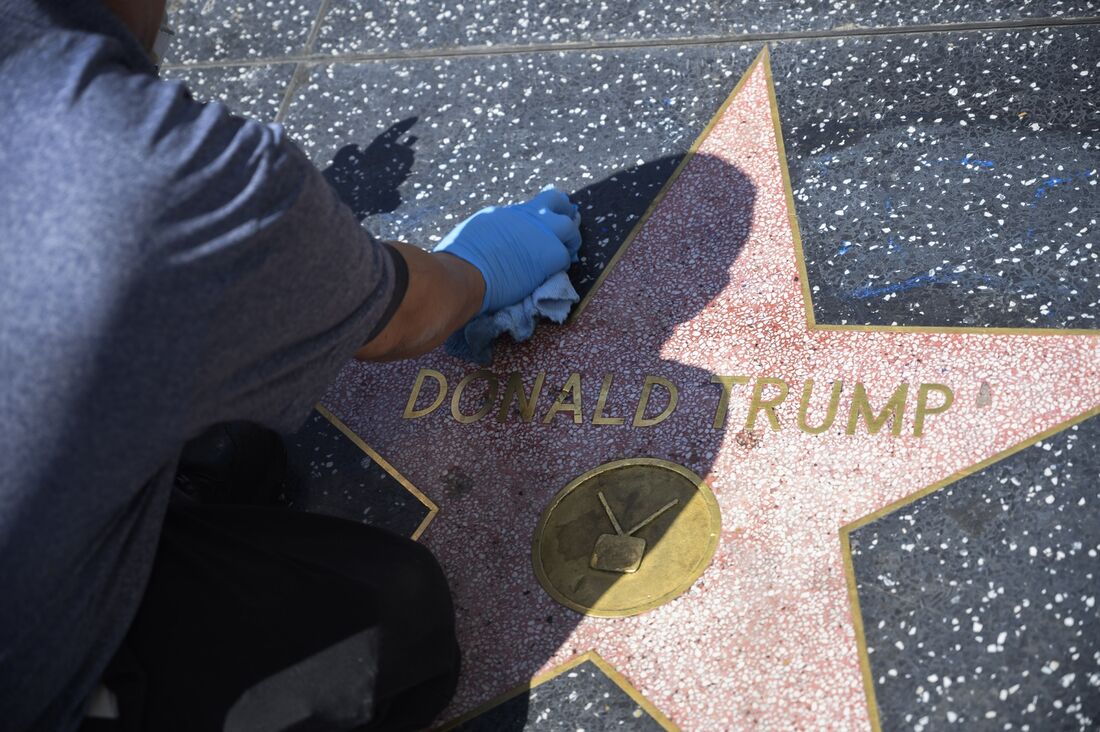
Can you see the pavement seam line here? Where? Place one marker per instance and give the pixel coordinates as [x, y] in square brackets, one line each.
[301, 69]
[616, 45]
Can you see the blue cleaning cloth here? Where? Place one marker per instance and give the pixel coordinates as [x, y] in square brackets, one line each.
[552, 300]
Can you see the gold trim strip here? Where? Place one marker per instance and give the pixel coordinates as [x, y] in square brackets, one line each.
[785, 174]
[803, 276]
[632, 691]
[861, 637]
[664, 190]
[846, 547]
[968, 329]
[516, 691]
[433, 509]
[617, 678]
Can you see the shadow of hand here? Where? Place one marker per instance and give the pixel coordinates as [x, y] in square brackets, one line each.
[367, 179]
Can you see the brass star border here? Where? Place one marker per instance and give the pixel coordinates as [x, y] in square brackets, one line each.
[404, 482]
[846, 546]
[764, 57]
[606, 668]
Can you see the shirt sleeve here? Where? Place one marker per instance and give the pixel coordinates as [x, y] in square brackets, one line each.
[268, 280]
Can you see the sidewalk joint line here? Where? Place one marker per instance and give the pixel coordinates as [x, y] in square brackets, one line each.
[312, 58]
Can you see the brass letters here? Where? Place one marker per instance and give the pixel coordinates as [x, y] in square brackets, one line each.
[486, 404]
[598, 417]
[767, 405]
[830, 411]
[640, 420]
[410, 409]
[572, 388]
[767, 397]
[923, 410]
[861, 407]
[727, 383]
[514, 390]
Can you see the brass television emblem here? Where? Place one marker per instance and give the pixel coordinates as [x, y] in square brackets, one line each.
[674, 525]
[622, 551]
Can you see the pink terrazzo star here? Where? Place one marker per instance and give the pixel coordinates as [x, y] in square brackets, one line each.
[764, 639]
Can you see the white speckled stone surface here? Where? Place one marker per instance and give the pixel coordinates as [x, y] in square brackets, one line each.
[253, 91]
[948, 179]
[220, 30]
[607, 127]
[764, 638]
[367, 25]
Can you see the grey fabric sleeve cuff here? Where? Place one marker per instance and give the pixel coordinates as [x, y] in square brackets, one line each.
[400, 286]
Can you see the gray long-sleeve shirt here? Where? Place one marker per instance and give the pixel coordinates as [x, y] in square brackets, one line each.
[164, 265]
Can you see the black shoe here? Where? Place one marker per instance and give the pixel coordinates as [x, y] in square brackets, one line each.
[233, 462]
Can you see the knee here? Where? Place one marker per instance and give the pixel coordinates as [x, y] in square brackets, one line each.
[417, 588]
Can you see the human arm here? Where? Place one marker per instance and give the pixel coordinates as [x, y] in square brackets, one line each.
[491, 260]
[278, 284]
[444, 292]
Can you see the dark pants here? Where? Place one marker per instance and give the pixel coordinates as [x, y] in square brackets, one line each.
[262, 618]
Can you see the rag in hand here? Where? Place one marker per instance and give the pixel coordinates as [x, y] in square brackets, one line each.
[551, 300]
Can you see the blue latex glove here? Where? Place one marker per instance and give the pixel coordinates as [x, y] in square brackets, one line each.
[517, 248]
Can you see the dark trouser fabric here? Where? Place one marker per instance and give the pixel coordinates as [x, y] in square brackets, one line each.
[262, 618]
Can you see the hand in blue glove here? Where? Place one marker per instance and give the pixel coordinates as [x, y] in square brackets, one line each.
[517, 248]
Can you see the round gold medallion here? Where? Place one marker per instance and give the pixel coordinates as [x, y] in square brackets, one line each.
[626, 537]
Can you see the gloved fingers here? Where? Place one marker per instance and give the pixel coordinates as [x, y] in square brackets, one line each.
[573, 241]
[565, 228]
[457, 231]
[554, 200]
[555, 259]
[557, 202]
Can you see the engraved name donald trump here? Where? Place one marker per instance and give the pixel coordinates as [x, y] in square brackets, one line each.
[659, 397]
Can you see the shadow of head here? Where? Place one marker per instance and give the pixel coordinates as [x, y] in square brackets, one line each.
[674, 267]
[678, 269]
[367, 178]
[675, 271]
[719, 203]
[706, 211]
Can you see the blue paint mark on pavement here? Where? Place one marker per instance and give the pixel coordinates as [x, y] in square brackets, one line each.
[969, 159]
[862, 293]
[867, 291]
[1047, 185]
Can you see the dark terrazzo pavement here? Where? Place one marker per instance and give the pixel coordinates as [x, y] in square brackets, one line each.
[963, 165]
[979, 601]
[947, 179]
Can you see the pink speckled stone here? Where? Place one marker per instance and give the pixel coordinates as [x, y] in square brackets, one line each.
[765, 637]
